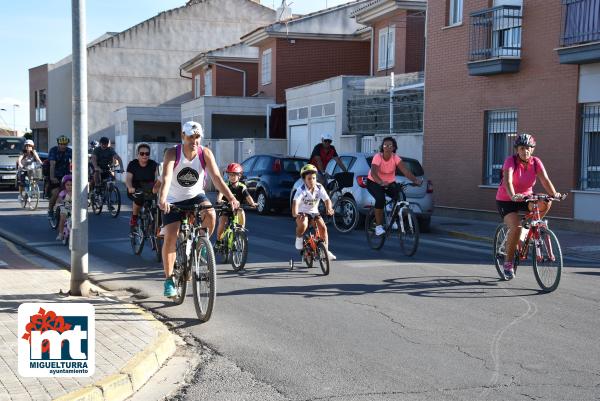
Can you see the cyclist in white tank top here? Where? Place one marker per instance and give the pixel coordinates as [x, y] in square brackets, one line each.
[184, 170]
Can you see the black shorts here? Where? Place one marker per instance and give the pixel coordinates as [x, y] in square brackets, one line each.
[173, 217]
[507, 207]
[378, 193]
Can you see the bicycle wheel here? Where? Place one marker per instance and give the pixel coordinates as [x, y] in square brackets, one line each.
[179, 271]
[323, 258]
[500, 249]
[308, 258]
[137, 237]
[323, 212]
[158, 249]
[224, 248]
[345, 217]
[409, 237]
[204, 278]
[97, 203]
[239, 253]
[114, 201]
[34, 197]
[547, 260]
[55, 218]
[375, 241]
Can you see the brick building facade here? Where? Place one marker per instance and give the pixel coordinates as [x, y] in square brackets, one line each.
[474, 105]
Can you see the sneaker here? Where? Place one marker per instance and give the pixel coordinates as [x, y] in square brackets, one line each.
[170, 290]
[299, 243]
[509, 272]
[379, 230]
[59, 237]
[331, 255]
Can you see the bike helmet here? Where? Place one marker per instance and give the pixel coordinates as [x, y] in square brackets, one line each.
[28, 142]
[66, 178]
[234, 168]
[104, 141]
[525, 140]
[63, 140]
[308, 169]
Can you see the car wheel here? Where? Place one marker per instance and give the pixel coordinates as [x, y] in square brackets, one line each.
[262, 202]
[424, 224]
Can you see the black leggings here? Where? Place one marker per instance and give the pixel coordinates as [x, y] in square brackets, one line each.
[378, 192]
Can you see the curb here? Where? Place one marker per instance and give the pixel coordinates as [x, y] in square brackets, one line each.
[462, 235]
[137, 371]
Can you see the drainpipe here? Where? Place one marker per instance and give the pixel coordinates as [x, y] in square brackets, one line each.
[238, 70]
[183, 76]
[372, 52]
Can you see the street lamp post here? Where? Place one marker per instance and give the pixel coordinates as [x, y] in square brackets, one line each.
[14, 118]
[79, 234]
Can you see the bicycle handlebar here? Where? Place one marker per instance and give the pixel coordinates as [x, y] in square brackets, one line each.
[544, 197]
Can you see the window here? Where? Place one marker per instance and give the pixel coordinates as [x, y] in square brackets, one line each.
[40, 105]
[247, 165]
[387, 41]
[263, 163]
[292, 114]
[501, 130]
[590, 160]
[455, 13]
[196, 86]
[208, 83]
[266, 67]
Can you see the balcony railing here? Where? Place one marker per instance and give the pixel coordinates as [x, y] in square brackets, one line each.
[580, 22]
[495, 36]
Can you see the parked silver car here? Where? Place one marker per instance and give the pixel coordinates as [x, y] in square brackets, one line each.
[420, 198]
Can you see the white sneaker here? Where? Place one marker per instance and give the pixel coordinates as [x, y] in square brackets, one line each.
[59, 237]
[299, 243]
[379, 230]
[331, 255]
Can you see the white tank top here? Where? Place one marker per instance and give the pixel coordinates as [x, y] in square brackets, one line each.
[188, 178]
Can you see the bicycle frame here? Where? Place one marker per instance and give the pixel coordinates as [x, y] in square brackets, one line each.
[534, 222]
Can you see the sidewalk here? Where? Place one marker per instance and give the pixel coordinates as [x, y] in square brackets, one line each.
[130, 344]
[583, 246]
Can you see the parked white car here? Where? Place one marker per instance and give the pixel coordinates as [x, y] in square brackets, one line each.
[420, 198]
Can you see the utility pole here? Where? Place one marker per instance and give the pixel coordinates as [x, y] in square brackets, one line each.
[79, 233]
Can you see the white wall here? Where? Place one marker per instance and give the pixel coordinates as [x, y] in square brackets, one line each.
[586, 205]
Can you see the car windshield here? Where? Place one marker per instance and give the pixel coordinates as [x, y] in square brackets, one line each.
[10, 146]
[413, 165]
[293, 165]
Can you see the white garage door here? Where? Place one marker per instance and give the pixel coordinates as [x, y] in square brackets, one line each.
[318, 128]
[299, 141]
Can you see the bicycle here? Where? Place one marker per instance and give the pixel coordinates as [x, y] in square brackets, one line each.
[346, 214]
[234, 241]
[195, 261]
[313, 246]
[107, 194]
[30, 197]
[67, 227]
[397, 216]
[546, 253]
[147, 226]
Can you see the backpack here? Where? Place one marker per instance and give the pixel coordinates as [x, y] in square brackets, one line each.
[515, 165]
[200, 155]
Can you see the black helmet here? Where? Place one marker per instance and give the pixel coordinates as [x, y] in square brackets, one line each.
[525, 140]
[104, 140]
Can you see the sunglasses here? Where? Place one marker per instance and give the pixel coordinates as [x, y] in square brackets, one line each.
[388, 145]
[327, 141]
[144, 153]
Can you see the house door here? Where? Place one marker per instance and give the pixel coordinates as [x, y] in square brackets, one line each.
[298, 143]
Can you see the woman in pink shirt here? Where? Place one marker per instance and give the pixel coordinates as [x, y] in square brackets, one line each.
[520, 172]
[382, 178]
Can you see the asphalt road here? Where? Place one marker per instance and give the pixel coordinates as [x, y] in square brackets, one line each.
[438, 326]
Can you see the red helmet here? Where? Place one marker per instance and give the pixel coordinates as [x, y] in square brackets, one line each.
[234, 168]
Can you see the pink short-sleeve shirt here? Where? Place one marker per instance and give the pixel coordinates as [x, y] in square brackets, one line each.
[524, 177]
[387, 168]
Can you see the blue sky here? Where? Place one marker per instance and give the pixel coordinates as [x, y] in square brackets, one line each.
[34, 32]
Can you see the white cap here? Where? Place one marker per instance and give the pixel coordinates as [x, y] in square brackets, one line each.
[193, 128]
[28, 142]
[326, 136]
